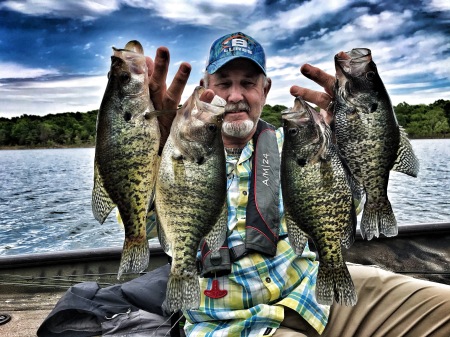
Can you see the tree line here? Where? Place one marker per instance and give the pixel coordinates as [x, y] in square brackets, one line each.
[419, 121]
[78, 129]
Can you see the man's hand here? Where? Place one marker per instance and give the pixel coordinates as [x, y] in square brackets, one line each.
[163, 98]
[168, 99]
[322, 99]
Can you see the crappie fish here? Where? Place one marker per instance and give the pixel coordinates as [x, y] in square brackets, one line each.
[190, 195]
[318, 193]
[369, 137]
[126, 153]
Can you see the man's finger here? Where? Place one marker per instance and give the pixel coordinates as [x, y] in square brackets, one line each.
[207, 96]
[319, 98]
[157, 83]
[173, 94]
[150, 66]
[319, 76]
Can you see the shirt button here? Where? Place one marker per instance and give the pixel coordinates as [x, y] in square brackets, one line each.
[268, 280]
[244, 192]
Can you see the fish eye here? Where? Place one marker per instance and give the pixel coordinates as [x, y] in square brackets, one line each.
[370, 75]
[127, 116]
[301, 162]
[293, 131]
[351, 110]
[374, 107]
[212, 127]
[124, 77]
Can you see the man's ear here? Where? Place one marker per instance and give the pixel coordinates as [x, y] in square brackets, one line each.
[267, 86]
[202, 82]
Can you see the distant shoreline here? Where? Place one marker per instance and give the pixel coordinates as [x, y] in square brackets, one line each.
[83, 146]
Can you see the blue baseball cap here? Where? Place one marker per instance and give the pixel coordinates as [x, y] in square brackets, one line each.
[232, 46]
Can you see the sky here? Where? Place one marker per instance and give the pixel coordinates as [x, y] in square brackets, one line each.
[55, 55]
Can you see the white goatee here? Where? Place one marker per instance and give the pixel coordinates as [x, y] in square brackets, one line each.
[238, 129]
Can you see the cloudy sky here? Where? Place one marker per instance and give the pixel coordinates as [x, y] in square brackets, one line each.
[54, 55]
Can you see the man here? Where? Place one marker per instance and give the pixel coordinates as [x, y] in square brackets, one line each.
[270, 291]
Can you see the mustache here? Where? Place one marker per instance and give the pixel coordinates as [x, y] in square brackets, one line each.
[240, 106]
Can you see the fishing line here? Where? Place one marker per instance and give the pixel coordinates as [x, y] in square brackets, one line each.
[174, 324]
[167, 320]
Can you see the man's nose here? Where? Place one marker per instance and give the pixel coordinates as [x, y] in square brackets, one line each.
[235, 94]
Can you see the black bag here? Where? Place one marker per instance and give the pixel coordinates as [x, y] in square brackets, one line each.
[131, 309]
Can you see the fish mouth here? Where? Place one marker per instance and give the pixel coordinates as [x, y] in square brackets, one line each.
[134, 59]
[199, 126]
[216, 107]
[300, 114]
[352, 63]
[295, 117]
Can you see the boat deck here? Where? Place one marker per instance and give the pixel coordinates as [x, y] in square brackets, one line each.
[27, 310]
[31, 285]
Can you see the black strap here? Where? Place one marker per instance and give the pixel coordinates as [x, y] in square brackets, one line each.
[262, 214]
[214, 263]
[239, 251]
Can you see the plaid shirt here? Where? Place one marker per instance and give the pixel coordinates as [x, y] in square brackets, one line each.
[258, 286]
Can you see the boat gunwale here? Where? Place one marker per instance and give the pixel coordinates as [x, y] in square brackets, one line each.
[70, 256]
[114, 253]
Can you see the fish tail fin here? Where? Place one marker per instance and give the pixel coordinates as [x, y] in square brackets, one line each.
[378, 218]
[388, 223]
[335, 282]
[182, 293]
[135, 256]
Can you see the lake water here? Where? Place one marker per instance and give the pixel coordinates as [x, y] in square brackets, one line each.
[45, 198]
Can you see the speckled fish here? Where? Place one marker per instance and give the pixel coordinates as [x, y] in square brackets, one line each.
[318, 193]
[369, 137]
[126, 149]
[191, 195]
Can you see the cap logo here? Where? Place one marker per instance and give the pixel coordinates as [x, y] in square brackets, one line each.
[237, 44]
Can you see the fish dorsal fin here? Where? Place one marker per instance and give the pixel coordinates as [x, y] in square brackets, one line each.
[102, 204]
[406, 161]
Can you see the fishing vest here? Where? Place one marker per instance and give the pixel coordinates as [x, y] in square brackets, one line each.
[262, 212]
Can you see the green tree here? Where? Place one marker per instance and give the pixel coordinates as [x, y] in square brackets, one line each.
[79, 128]
[428, 122]
[272, 114]
[403, 111]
